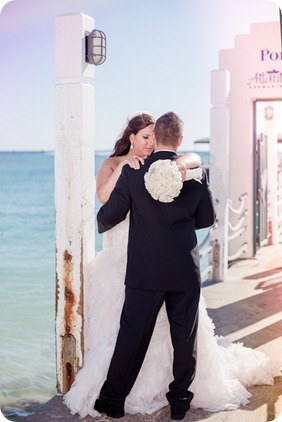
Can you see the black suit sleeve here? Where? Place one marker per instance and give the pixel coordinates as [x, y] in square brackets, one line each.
[205, 213]
[118, 205]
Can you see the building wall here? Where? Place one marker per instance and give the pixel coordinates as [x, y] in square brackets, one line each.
[255, 66]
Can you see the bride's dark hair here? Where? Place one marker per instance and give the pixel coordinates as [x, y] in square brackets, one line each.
[135, 124]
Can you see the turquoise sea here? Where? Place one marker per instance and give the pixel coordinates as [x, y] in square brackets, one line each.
[27, 279]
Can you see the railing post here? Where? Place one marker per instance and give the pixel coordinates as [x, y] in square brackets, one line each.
[219, 165]
[74, 190]
[216, 276]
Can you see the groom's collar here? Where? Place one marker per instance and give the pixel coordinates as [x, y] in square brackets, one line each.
[165, 150]
[164, 155]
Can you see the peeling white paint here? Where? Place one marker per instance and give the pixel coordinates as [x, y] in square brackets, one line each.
[74, 181]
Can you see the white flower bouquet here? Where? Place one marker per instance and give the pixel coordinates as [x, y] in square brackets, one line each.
[164, 182]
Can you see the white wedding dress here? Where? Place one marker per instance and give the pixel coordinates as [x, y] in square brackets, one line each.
[224, 369]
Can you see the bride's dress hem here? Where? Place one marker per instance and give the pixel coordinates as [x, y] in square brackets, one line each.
[224, 369]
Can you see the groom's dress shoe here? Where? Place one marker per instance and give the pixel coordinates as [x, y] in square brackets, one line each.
[179, 414]
[113, 410]
[179, 406]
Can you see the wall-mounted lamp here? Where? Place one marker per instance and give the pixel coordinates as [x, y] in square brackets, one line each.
[95, 47]
[268, 113]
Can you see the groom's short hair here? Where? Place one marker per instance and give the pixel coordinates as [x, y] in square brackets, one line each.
[168, 129]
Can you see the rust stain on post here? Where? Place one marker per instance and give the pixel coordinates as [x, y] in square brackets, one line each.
[69, 315]
[68, 357]
[72, 341]
[68, 340]
[81, 299]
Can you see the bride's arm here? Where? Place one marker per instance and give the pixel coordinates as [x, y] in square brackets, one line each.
[190, 160]
[109, 173]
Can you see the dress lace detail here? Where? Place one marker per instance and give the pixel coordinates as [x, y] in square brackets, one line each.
[116, 238]
[224, 369]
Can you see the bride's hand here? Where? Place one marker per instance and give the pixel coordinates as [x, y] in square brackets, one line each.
[187, 161]
[182, 170]
[133, 161]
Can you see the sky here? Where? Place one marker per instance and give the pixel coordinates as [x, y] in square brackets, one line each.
[160, 54]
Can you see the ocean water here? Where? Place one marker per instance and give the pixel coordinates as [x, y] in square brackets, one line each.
[27, 279]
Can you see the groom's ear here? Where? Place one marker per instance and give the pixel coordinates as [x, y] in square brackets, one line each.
[180, 141]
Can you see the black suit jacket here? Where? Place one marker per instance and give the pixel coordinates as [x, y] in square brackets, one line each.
[162, 245]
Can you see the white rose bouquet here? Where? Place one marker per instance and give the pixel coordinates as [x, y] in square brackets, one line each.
[164, 181]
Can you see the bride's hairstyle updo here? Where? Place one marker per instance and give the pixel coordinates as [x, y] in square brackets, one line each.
[134, 125]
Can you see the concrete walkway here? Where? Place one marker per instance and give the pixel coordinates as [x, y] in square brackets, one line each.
[247, 307]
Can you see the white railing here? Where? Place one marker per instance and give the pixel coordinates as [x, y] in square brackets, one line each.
[205, 249]
[210, 246]
[279, 211]
[235, 231]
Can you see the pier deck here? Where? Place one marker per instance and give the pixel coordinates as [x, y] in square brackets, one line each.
[246, 307]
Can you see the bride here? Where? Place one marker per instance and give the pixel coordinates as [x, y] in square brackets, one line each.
[224, 369]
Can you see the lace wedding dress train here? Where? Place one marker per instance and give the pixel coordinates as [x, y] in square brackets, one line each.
[224, 369]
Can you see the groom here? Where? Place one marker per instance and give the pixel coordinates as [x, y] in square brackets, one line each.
[162, 266]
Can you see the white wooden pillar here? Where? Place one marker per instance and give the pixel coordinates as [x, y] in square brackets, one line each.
[74, 190]
[272, 164]
[219, 167]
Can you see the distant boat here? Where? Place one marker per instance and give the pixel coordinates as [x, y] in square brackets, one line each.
[202, 145]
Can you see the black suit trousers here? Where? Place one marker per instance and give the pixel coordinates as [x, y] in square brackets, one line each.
[138, 319]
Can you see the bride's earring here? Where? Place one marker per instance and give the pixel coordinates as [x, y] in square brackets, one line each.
[131, 146]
